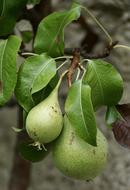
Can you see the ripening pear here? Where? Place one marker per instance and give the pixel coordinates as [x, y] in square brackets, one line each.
[75, 158]
[45, 121]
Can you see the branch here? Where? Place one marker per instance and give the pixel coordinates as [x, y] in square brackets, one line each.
[74, 64]
[91, 37]
[20, 174]
[105, 53]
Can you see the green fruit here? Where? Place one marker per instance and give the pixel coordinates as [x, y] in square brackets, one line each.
[76, 158]
[45, 121]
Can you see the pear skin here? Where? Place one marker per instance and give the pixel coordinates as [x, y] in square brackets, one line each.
[45, 121]
[75, 158]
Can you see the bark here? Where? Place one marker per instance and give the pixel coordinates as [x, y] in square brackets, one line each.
[20, 173]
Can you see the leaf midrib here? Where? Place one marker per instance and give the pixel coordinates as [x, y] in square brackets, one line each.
[1, 60]
[3, 8]
[82, 109]
[60, 28]
[99, 81]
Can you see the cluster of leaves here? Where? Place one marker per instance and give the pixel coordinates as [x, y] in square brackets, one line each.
[37, 75]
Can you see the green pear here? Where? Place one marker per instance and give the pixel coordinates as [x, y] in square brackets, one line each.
[75, 158]
[45, 121]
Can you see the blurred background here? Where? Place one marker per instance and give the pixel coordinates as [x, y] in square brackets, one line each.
[115, 17]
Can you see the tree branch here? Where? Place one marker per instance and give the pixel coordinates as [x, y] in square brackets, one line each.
[20, 174]
[74, 64]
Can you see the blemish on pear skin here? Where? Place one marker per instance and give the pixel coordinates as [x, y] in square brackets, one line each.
[94, 151]
[71, 138]
[34, 133]
[54, 109]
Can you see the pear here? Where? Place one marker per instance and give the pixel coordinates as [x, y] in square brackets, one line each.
[75, 158]
[45, 121]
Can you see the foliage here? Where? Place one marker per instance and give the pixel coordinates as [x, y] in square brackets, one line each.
[51, 31]
[100, 83]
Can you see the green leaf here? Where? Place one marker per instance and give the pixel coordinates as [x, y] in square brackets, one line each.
[27, 36]
[8, 73]
[79, 110]
[105, 82]
[34, 2]
[44, 93]
[9, 12]
[50, 34]
[17, 130]
[34, 74]
[31, 153]
[112, 115]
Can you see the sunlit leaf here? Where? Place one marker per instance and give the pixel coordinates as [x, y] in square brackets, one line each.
[50, 34]
[105, 81]
[79, 110]
[34, 74]
[9, 12]
[112, 115]
[8, 73]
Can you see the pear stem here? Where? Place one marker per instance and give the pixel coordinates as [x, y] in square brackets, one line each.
[74, 65]
[78, 74]
[66, 61]
[61, 77]
[99, 24]
[29, 53]
[82, 68]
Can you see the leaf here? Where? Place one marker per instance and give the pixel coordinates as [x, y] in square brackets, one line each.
[17, 130]
[27, 36]
[112, 115]
[34, 2]
[79, 110]
[105, 81]
[124, 110]
[44, 93]
[34, 74]
[31, 153]
[50, 34]
[9, 12]
[8, 73]
[121, 126]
